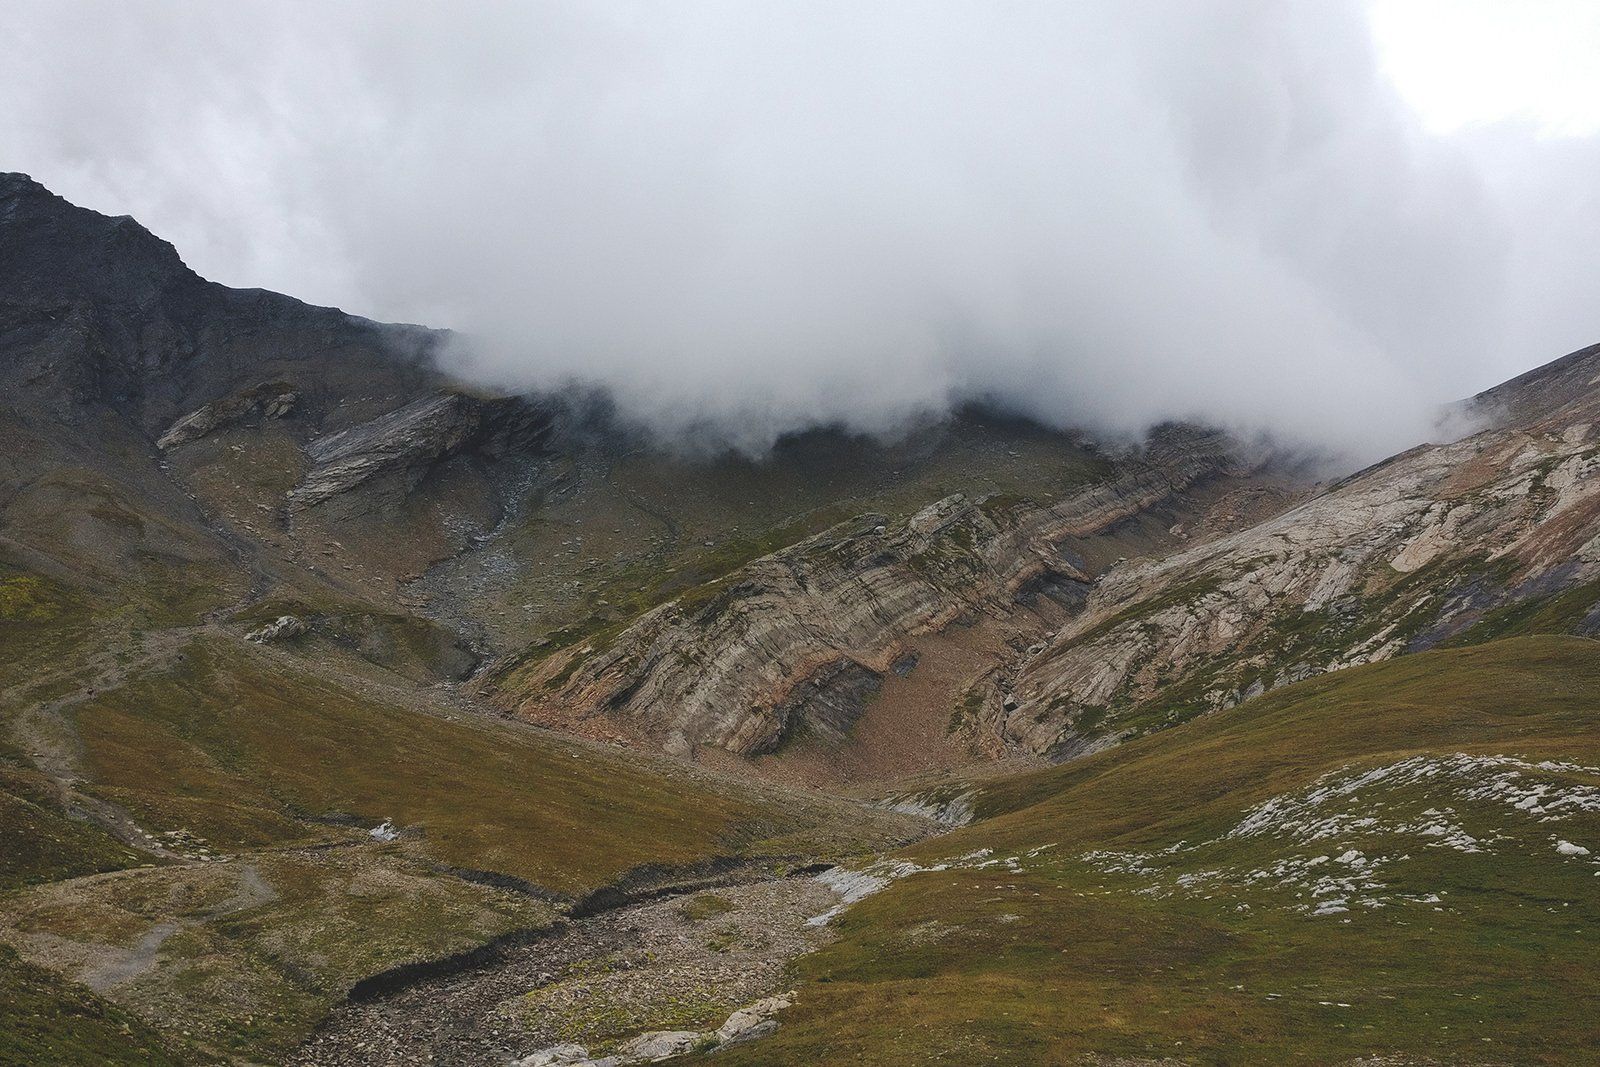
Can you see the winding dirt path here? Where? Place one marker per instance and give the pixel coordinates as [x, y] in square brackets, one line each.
[253, 892]
[45, 730]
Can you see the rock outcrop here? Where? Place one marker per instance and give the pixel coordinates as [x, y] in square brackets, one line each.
[723, 666]
[280, 629]
[1438, 544]
[1441, 543]
[270, 400]
[405, 444]
[804, 634]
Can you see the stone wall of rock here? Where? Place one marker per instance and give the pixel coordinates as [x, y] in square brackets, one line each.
[269, 400]
[406, 443]
[738, 663]
[1398, 558]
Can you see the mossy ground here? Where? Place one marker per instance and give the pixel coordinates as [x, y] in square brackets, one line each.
[705, 906]
[245, 754]
[276, 773]
[1066, 953]
[38, 843]
[45, 1020]
[242, 958]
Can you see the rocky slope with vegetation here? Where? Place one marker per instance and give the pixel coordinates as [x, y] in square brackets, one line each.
[1391, 864]
[1492, 534]
[805, 635]
[351, 714]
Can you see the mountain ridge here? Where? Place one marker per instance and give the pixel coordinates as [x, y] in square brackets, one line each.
[327, 672]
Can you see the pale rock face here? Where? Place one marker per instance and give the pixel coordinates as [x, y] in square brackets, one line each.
[281, 628]
[1393, 559]
[270, 401]
[658, 1045]
[807, 631]
[1425, 543]
[406, 443]
[720, 672]
[949, 810]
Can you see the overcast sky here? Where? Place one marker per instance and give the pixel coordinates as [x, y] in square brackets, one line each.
[1312, 219]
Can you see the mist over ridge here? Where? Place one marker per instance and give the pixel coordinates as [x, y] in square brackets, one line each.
[742, 221]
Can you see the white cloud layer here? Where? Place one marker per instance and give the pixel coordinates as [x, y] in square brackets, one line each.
[761, 216]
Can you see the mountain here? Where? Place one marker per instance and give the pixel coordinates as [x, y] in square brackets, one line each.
[354, 713]
[800, 639]
[1489, 536]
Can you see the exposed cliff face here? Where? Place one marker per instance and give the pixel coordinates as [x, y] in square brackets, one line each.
[1442, 543]
[405, 444]
[798, 635]
[720, 667]
[268, 400]
[1445, 543]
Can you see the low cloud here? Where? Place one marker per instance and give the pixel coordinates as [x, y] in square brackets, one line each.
[743, 219]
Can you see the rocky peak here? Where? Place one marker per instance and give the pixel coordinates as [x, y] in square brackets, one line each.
[53, 252]
[96, 311]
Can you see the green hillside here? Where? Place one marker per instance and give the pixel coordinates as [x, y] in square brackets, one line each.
[1387, 861]
[261, 779]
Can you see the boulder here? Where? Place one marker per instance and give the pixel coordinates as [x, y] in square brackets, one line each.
[555, 1056]
[751, 1022]
[659, 1045]
[284, 626]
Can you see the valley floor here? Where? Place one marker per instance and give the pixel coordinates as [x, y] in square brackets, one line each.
[222, 840]
[682, 963]
[1395, 865]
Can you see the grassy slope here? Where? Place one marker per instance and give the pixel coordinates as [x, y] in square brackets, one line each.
[45, 1020]
[1146, 931]
[250, 953]
[38, 843]
[232, 747]
[43, 625]
[278, 773]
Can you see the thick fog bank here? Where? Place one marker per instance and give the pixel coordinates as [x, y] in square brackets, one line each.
[742, 219]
